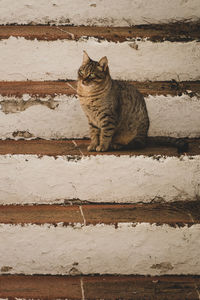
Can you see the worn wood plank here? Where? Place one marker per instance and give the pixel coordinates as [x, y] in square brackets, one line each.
[100, 287]
[43, 88]
[179, 31]
[40, 287]
[176, 213]
[79, 147]
[138, 287]
[40, 214]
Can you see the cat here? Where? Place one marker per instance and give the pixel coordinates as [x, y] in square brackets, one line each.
[116, 110]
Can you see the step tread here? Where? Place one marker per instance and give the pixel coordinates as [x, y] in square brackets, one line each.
[43, 88]
[176, 213]
[179, 31]
[79, 148]
[100, 287]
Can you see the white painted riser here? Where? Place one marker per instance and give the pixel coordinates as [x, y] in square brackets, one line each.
[32, 179]
[138, 249]
[98, 12]
[169, 116]
[43, 60]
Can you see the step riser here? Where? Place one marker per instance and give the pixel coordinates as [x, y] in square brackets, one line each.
[61, 117]
[111, 13]
[150, 249]
[32, 179]
[45, 64]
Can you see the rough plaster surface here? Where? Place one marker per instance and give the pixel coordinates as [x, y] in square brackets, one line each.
[177, 116]
[66, 120]
[43, 60]
[98, 12]
[139, 249]
[62, 117]
[32, 179]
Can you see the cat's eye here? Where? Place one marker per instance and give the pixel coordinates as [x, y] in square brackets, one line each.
[92, 75]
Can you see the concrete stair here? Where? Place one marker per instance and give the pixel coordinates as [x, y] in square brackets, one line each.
[115, 225]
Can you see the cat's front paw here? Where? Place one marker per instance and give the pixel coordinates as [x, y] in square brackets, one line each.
[101, 148]
[92, 147]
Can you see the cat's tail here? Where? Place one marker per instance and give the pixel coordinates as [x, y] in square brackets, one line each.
[180, 143]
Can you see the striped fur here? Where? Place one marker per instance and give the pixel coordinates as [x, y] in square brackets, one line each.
[116, 110]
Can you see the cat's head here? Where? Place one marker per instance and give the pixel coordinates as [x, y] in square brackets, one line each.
[93, 72]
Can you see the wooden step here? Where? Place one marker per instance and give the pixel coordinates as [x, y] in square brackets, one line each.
[173, 214]
[174, 32]
[100, 287]
[78, 147]
[53, 88]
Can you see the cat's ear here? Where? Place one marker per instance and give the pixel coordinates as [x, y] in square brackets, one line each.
[103, 63]
[86, 58]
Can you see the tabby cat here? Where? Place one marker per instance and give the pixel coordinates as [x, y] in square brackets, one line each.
[116, 110]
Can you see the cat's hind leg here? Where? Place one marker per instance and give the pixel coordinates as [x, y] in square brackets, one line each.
[140, 139]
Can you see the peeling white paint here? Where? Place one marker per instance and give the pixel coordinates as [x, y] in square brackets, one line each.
[107, 178]
[67, 120]
[98, 12]
[176, 116]
[43, 60]
[46, 249]
[16, 105]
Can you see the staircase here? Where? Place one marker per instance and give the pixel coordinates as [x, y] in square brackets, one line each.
[115, 225]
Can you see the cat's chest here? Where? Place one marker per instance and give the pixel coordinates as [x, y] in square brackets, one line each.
[93, 110]
[90, 108]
